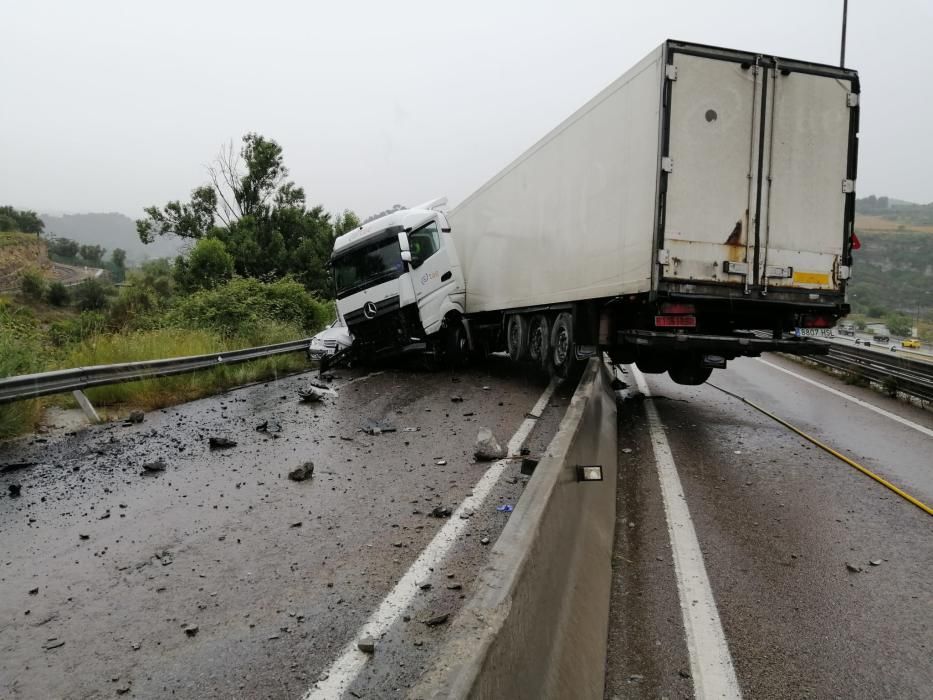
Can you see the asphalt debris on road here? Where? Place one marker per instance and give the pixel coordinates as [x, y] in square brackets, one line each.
[15, 490]
[487, 448]
[154, 466]
[303, 472]
[220, 443]
[436, 620]
[367, 645]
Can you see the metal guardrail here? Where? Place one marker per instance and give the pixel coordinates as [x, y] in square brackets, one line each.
[911, 377]
[30, 386]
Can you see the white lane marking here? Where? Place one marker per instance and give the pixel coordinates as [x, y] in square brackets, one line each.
[848, 397]
[710, 661]
[348, 665]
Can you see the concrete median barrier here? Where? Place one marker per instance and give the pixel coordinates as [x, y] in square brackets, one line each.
[536, 625]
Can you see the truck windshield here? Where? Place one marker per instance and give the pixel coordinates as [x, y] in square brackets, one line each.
[367, 266]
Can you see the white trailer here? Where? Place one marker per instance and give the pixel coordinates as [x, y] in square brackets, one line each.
[703, 196]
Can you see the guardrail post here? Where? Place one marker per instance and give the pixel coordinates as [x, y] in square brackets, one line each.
[86, 406]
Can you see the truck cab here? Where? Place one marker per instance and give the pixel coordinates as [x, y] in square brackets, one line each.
[398, 280]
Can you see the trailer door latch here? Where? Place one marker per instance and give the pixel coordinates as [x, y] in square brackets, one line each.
[670, 71]
[667, 164]
[848, 186]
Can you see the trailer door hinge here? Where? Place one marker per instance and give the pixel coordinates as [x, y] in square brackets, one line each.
[667, 164]
[852, 99]
[848, 186]
[734, 268]
[664, 257]
[670, 71]
[844, 272]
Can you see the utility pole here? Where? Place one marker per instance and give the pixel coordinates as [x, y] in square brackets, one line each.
[842, 50]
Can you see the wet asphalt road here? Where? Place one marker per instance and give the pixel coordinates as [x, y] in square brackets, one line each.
[219, 577]
[777, 520]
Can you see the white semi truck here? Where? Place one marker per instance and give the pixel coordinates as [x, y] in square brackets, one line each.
[699, 208]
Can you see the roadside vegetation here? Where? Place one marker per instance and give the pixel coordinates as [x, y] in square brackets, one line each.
[255, 272]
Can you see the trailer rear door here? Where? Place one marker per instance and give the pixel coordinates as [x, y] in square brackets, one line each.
[755, 183]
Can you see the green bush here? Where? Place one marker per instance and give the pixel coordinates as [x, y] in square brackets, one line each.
[78, 329]
[20, 353]
[92, 295]
[32, 285]
[208, 266]
[58, 294]
[242, 307]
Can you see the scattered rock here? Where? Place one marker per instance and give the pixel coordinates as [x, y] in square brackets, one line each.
[367, 645]
[875, 562]
[627, 450]
[487, 448]
[135, 646]
[82, 536]
[853, 568]
[34, 591]
[374, 427]
[440, 462]
[441, 512]
[191, 630]
[136, 417]
[456, 399]
[484, 540]
[437, 620]
[220, 443]
[302, 473]
[297, 524]
[53, 644]
[15, 490]
[454, 586]
[425, 586]
[156, 466]
[635, 677]
[123, 690]
[684, 673]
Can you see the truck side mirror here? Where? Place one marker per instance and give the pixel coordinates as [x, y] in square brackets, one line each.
[406, 256]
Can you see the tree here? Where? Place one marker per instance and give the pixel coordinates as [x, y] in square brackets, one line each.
[91, 295]
[898, 324]
[208, 265]
[25, 221]
[65, 247]
[92, 253]
[118, 256]
[258, 214]
[32, 285]
[57, 294]
[7, 223]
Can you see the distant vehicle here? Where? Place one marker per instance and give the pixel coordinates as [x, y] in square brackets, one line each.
[329, 341]
[845, 330]
[911, 343]
[881, 338]
[866, 343]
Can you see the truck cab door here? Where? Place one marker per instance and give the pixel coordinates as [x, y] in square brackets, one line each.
[433, 273]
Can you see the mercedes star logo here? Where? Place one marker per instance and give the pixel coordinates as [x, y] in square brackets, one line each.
[369, 310]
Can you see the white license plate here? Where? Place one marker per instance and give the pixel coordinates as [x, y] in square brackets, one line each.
[814, 333]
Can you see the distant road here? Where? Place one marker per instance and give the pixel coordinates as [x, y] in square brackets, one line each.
[70, 275]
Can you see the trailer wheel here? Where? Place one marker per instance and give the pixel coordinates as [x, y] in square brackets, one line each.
[563, 353]
[517, 337]
[539, 343]
[653, 365]
[690, 373]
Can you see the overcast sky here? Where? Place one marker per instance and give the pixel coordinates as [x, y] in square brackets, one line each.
[112, 106]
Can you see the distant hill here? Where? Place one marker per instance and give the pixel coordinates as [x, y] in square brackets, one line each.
[889, 214]
[111, 230]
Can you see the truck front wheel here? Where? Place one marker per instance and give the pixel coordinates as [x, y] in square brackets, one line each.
[458, 348]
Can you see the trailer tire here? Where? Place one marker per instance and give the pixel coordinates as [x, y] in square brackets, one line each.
[563, 353]
[690, 373]
[653, 365]
[539, 340]
[516, 335]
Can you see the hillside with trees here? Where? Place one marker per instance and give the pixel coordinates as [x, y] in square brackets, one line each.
[253, 271]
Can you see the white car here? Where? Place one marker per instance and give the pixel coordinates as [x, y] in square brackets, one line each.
[329, 341]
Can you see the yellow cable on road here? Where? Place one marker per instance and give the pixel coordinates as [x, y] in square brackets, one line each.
[852, 463]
